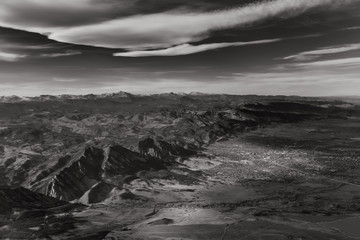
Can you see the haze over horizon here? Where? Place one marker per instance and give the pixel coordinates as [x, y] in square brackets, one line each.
[109, 94]
[277, 47]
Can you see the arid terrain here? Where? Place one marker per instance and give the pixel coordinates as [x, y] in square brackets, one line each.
[179, 166]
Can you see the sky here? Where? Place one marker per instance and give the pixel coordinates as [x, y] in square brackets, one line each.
[267, 47]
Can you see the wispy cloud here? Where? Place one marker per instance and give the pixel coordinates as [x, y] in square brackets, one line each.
[351, 28]
[169, 29]
[140, 32]
[309, 55]
[10, 57]
[342, 62]
[307, 81]
[12, 45]
[186, 49]
[65, 80]
[62, 54]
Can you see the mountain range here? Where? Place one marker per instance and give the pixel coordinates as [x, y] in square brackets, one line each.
[64, 154]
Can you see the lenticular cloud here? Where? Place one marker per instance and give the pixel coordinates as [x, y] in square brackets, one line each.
[163, 30]
[186, 49]
[141, 32]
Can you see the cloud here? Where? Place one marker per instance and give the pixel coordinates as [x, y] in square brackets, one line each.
[87, 22]
[309, 55]
[7, 44]
[38, 14]
[62, 54]
[186, 49]
[15, 50]
[9, 51]
[319, 79]
[65, 80]
[168, 29]
[10, 57]
[342, 62]
[352, 28]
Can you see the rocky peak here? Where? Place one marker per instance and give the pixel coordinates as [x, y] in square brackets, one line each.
[162, 149]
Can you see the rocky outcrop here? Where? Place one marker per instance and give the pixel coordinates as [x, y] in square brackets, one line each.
[98, 193]
[118, 195]
[122, 161]
[61, 162]
[162, 150]
[88, 170]
[73, 180]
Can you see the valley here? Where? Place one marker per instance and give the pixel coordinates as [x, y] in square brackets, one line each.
[179, 166]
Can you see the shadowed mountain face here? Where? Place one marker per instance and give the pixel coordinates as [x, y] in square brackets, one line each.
[91, 166]
[22, 198]
[72, 181]
[130, 152]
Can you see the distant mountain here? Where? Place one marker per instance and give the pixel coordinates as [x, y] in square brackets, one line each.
[115, 96]
[12, 99]
[128, 97]
[43, 98]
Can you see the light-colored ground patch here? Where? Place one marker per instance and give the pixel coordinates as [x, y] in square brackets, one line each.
[201, 163]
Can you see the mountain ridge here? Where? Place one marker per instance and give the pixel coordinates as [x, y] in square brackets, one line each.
[126, 95]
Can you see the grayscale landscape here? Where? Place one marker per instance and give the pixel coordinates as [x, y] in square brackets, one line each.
[179, 166]
[179, 120]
